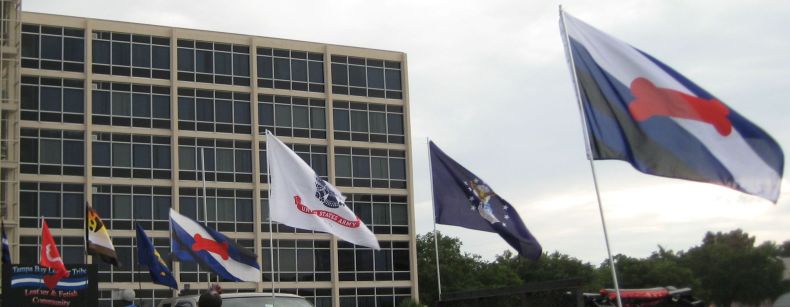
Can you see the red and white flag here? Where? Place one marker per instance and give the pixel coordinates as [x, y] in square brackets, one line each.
[300, 198]
[50, 258]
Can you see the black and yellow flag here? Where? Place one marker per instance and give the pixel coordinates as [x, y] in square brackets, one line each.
[99, 242]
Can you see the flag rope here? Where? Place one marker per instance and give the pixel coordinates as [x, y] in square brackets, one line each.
[575, 81]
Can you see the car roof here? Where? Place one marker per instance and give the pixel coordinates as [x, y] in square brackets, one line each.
[235, 295]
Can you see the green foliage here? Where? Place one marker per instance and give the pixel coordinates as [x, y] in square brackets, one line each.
[725, 268]
[730, 269]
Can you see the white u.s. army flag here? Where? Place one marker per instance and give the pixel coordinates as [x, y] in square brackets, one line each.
[300, 198]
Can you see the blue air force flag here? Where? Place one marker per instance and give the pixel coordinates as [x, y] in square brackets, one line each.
[462, 199]
[192, 241]
[148, 256]
[639, 110]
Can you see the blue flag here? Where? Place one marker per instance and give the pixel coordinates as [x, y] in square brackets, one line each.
[639, 110]
[6, 248]
[148, 256]
[462, 199]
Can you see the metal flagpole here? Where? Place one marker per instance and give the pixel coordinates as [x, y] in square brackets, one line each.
[271, 233]
[205, 197]
[568, 55]
[433, 212]
[136, 264]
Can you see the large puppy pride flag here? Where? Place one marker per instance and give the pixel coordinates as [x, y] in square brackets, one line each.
[192, 241]
[639, 110]
[300, 198]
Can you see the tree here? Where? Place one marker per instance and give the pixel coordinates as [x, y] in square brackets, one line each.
[661, 269]
[784, 249]
[731, 269]
[460, 271]
[549, 267]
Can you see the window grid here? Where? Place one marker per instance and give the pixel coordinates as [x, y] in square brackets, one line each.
[366, 77]
[365, 167]
[131, 156]
[120, 206]
[210, 62]
[214, 111]
[357, 263]
[62, 205]
[52, 152]
[384, 214]
[136, 105]
[53, 48]
[226, 160]
[290, 70]
[227, 209]
[52, 100]
[72, 249]
[144, 298]
[297, 260]
[125, 54]
[313, 155]
[359, 121]
[292, 116]
[373, 297]
[130, 270]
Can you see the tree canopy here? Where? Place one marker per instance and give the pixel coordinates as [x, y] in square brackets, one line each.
[726, 267]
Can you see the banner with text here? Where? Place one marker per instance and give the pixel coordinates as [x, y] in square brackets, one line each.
[24, 285]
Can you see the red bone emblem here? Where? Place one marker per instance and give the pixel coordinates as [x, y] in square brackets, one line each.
[212, 246]
[653, 101]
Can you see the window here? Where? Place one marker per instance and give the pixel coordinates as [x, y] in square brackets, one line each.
[211, 62]
[384, 214]
[391, 262]
[62, 205]
[52, 152]
[227, 209]
[225, 160]
[292, 116]
[131, 156]
[368, 122]
[373, 297]
[135, 105]
[135, 55]
[120, 205]
[290, 70]
[366, 77]
[52, 100]
[314, 155]
[53, 48]
[297, 260]
[214, 111]
[364, 167]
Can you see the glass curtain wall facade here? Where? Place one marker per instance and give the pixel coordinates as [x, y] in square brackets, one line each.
[126, 116]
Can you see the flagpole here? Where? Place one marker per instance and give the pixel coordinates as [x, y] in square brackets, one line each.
[205, 198]
[568, 55]
[135, 263]
[271, 234]
[433, 212]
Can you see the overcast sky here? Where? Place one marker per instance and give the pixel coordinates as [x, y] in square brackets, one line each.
[489, 84]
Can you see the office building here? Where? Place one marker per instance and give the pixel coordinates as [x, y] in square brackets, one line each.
[118, 115]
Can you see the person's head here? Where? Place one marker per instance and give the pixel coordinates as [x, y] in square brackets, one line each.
[210, 299]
